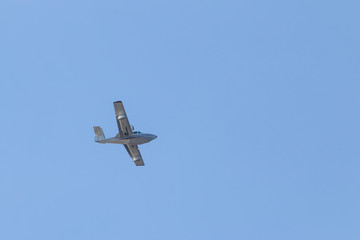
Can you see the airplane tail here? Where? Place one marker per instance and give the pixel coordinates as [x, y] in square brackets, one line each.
[99, 134]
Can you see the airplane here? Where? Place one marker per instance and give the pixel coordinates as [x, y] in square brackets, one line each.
[126, 136]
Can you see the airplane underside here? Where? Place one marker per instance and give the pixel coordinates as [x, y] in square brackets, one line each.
[126, 136]
[138, 140]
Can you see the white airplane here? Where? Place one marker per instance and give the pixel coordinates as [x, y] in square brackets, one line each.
[126, 136]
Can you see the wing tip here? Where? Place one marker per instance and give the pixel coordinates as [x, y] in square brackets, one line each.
[139, 162]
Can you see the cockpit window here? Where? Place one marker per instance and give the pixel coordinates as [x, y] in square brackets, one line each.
[136, 132]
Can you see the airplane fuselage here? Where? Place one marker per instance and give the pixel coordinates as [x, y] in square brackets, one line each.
[134, 139]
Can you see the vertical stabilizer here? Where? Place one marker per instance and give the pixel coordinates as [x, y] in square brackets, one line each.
[99, 134]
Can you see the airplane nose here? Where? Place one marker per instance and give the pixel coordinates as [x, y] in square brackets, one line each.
[154, 136]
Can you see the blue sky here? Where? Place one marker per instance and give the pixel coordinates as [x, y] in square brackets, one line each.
[255, 105]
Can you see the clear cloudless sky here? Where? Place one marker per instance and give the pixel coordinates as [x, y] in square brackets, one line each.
[255, 105]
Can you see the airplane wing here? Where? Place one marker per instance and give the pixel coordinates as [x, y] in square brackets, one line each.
[134, 153]
[122, 120]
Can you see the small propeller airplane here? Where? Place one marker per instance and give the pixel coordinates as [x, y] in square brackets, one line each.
[126, 136]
